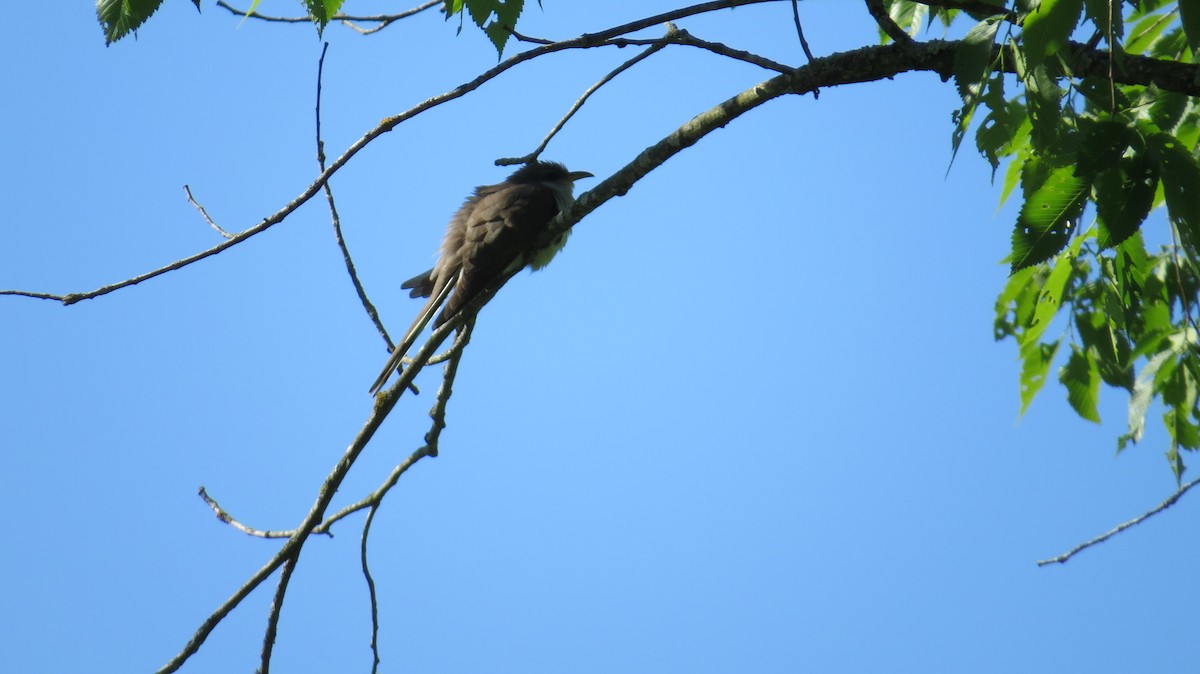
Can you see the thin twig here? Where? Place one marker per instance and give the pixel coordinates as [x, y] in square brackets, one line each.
[684, 38]
[800, 30]
[382, 19]
[367, 305]
[366, 569]
[225, 517]
[438, 412]
[384, 23]
[886, 23]
[508, 161]
[1062, 559]
[191, 200]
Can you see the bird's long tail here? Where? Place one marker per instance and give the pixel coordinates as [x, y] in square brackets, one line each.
[436, 300]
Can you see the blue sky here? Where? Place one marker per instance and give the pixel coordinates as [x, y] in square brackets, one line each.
[751, 419]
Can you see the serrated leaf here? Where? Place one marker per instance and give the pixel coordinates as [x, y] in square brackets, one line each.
[1143, 392]
[1102, 145]
[973, 59]
[1106, 15]
[972, 64]
[1047, 216]
[1049, 298]
[1180, 175]
[1047, 28]
[1082, 380]
[1103, 94]
[481, 10]
[1124, 197]
[1012, 176]
[119, 18]
[321, 12]
[1015, 304]
[1035, 365]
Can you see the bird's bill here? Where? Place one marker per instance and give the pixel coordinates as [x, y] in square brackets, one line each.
[576, 175]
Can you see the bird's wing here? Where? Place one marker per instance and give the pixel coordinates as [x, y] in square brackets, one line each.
[427, 312]
[501, 230]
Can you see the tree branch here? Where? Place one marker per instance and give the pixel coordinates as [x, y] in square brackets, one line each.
[886, 24]
[1062, 559]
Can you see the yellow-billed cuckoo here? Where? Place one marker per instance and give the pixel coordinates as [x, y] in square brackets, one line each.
[496, 231]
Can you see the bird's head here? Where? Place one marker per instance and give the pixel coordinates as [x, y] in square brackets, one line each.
[549, 173]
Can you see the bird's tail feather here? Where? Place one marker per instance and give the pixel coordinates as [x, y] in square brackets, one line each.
[436, 300]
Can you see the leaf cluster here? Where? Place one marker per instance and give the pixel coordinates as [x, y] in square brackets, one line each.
[1087, 149]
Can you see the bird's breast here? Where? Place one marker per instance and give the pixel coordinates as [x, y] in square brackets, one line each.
[542, 257]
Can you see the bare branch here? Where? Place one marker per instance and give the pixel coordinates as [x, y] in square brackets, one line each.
[368, 306]
[204, 213]
[349, 20]
[800, 30]
[366, 569]
[225, 517]
[1062, 559]
[285, 578]
[508, 161]
[683, 37]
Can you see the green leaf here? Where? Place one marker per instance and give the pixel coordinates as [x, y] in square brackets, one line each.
[1106, 15]
[1050, 298]
[1102, 145]
[972, 65]
[481, 10]
[1035, 365]
[1143, 393]
[1082, 380]
[1044, 98]
[1124, 197]
[1047, 216]
[909, 15]
[973, 60]
[118, 18]
[1189, 14]
[1103, 94]
[1146, 33]
[1180, 176]
[1012, 176]
[1014, 305]
[1166, 108]
[321, 11]
[1047, 28]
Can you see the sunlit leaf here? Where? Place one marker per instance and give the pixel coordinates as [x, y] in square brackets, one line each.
[1047, 28]
[118, 18]
[1047, 216]
[1082, 380]
[1036, 359]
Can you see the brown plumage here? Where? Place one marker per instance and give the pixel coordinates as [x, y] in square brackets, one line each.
[494, 231]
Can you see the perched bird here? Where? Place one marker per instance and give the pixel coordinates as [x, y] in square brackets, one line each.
[495, 231]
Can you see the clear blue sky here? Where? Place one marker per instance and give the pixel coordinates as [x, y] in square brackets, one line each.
[752, 419]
